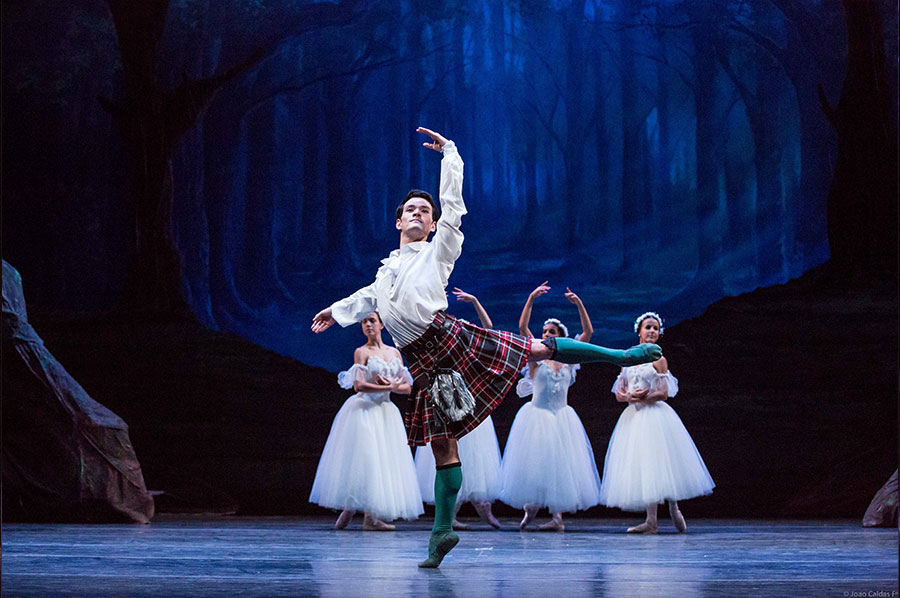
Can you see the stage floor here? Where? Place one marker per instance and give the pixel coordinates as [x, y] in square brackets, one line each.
[305, 557]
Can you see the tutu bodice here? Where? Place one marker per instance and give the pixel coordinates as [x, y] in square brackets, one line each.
[639, 377]
[367, 373]
[548, 387]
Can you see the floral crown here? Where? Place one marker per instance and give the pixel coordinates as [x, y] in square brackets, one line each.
[644, 316]
[558, 324]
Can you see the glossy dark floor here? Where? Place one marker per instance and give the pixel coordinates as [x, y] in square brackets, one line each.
[305, 557]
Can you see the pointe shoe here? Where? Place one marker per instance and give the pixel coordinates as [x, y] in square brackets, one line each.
[554, 525]
[438, 547]
[459, 525]
[343, 519]
[528, 518]
[372, 524]
[484, 511]
[677, 517]
[644, 528]
[643, 353]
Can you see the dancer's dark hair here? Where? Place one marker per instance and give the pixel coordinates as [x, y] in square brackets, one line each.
[424, 195]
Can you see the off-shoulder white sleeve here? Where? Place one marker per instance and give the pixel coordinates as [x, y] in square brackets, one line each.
[621, 378]
[668, 381]
[575, 368]
[404, 372]
[348, 377]
[525, 387]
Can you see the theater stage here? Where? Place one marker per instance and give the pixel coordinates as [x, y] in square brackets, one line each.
[184, 556]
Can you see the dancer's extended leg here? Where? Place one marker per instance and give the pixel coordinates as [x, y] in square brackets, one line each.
[568, 350]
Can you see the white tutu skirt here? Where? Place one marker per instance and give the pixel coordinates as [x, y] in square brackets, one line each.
[651, 458]
[479, 455]
[366, 464]
[549, 462]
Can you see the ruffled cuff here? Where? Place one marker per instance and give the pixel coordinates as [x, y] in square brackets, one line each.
[669, 380]
[615, 385]
[525, 387]
[348, 377]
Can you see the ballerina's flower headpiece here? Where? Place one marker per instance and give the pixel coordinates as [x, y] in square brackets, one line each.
[644, 316]
[558, 324]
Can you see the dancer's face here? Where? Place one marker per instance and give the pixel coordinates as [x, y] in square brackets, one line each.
[550, 330]
[416, 220]
[649, 330]
[371, 325]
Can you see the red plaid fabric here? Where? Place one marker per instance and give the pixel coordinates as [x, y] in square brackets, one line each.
[488, 360]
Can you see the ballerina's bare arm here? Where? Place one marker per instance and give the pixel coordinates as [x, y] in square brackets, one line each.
[587, 330]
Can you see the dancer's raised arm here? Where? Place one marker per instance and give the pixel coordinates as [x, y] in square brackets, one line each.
[525, 318]
[461, 295]
[586, 328]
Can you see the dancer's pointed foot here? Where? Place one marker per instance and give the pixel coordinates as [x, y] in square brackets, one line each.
[554, 525]
[677, 517]
[373, 524]
[530, 514]
[484, 511]
[343, 519]
[459, 525]
[438, 547]
[644, 528]
[643, 353]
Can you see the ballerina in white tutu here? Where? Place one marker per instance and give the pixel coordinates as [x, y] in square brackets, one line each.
[479, 452]
[651, 457]
[366, 464]
[548, 460]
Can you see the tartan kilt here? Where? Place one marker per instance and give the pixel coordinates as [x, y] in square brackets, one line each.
[488, 360]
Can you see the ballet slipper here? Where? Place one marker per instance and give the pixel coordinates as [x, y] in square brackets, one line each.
[343, 519]
[484, 511]
[554, 525]
[438, 547]
[373, 524]
[644, 528]
[459, 525]
[677, 517]
[530, 514]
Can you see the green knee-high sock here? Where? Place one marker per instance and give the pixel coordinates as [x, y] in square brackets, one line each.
[568, 350]
[447, 481]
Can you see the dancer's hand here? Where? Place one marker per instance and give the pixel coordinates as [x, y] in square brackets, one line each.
[438, 140]
[322, 321]
[461, 295]
[541, 290]
[397, 384]
[572, 297]
[640, 394]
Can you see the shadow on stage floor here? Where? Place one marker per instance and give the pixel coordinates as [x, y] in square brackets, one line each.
[306, 557]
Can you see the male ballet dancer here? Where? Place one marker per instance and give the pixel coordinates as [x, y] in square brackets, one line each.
[409, 295]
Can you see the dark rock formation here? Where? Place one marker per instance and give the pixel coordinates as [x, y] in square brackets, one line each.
[66, 457]
[883, 511]
[220, 423]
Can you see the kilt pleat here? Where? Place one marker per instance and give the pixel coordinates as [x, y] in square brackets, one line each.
[488, 360]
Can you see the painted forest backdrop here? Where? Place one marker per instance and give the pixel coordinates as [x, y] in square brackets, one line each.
[648, 154]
